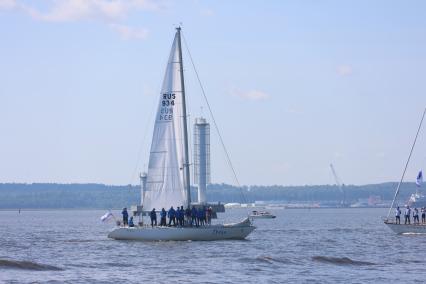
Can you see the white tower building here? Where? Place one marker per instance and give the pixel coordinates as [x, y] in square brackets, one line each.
[143, 177]
[201, 157]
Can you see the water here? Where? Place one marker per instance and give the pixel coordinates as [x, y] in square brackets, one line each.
[315, 246]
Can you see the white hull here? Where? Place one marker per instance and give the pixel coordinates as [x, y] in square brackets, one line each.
[407, 229]
[236, 231]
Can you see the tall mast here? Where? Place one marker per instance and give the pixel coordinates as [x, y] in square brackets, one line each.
[185, 127]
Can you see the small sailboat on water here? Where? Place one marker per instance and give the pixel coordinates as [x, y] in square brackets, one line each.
[168, 178]
[416, 228]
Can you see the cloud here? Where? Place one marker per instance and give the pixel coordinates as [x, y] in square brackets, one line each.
[111, 12]
[127, 32]
[7, 4]
[344, 70]
[75, 10]
[253, 95]
[207, 12]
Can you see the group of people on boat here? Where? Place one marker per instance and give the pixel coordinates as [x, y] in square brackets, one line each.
[407, 215]
[178, 217]
[183, 217]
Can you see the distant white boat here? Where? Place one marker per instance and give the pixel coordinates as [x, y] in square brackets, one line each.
[262, 215]
[390, 222]
[168, 181]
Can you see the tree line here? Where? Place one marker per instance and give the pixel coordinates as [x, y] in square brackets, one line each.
[53, 195]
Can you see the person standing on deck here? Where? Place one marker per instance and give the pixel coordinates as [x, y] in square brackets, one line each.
[178, 215]
[209, 213]
[407, 214]
[423, 215]
[200, 218]
[163, 215]
[398, 215]
[194, 216]
[131, 224]
[188, 216]
[182, 217]
[416, 216]
[125, 217]
[153, 216]
[172, 216]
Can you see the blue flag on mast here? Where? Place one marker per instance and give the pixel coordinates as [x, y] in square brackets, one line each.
[419, 179]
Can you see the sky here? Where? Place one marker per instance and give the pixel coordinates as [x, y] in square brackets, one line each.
[294, 86]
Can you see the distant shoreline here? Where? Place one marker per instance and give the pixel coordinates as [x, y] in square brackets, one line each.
[100, 197]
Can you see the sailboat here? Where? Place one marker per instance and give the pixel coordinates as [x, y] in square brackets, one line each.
[168, 178]
[390, 222]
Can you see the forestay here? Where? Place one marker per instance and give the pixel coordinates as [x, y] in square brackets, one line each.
[165, 183]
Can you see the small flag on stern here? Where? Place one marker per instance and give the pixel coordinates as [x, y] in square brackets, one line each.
[106, 217]
[419, 179]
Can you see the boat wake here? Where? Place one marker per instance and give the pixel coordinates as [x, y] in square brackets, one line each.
[27, 265]
[340, 260]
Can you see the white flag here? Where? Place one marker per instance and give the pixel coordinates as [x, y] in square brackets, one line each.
[106, 217]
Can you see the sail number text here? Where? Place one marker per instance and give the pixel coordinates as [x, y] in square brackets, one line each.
[167, 103]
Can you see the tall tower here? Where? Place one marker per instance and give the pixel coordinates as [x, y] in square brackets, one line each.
[201, 157]
[143, 177]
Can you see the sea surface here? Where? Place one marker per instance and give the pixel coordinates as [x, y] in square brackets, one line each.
[299, 246]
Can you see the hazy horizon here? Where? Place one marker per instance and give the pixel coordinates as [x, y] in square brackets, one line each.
[294, 87]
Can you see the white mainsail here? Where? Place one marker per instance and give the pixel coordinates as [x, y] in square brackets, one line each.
[166, 182]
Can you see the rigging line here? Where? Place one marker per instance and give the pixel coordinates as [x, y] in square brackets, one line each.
[406, 164]
[214, 122]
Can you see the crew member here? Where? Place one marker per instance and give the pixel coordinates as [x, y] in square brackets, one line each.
[209, 213]
[163, 215]
[188, 216]
[423, 215]
[125, 217]
[194, 216]
[172, 216]
[153, 216]
[416, 215]
[182, 216]
[398, 215]
[131, 222]
[200, 216]
[407, 214]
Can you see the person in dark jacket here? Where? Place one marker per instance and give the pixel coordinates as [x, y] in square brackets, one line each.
[163, 215]
[194, 216]
[178, 213]
[182, 216]
[200, 216]
[172, 216]
[188, 216]
[153, 216]
[125, 217]
[209, 214]
[131, 224]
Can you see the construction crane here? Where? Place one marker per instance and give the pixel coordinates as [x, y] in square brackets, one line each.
[340, 185]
